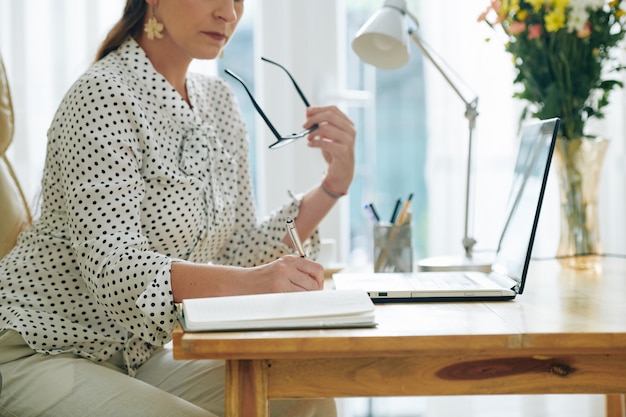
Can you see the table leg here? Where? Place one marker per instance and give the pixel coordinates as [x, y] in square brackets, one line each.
[246, 388]
[616, 405]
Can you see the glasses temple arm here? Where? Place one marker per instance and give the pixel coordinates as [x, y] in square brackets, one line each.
[295, 84]
[256, 105]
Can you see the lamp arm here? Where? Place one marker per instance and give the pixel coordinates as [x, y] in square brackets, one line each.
[471, 113]
[470, 106]
[418, 42]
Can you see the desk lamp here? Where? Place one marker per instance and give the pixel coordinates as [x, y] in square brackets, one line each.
[383, 41]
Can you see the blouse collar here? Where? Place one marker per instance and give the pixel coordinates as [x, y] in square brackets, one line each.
[156, 86]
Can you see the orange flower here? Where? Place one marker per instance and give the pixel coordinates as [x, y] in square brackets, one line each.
[483, 16]
[585, 31]
[534, 31]
[552, 43]
[516, 28]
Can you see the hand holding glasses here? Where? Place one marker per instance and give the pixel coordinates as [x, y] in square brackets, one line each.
[280, 140]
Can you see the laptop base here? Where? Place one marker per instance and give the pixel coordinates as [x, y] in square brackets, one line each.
[439, 299]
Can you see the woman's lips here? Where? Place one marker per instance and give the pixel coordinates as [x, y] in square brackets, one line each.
[216, 35]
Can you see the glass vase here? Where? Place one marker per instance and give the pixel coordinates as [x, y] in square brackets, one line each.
[579, 164]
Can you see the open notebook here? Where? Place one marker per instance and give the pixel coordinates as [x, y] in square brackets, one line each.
[292, 310]
[508, 272]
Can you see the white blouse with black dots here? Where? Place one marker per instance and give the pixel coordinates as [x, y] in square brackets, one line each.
[134, 179]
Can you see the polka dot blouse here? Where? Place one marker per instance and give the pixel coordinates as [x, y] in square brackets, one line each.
[134, 179]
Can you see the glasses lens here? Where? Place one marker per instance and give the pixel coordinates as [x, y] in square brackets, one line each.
[282, 142]
[285, 140]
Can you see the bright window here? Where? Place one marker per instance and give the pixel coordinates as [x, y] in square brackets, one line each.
[392, 146]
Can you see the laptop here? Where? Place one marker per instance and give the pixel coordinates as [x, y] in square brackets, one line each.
[508, 271]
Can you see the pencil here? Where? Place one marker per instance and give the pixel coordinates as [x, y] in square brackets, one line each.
[405, 210]
[382, 257]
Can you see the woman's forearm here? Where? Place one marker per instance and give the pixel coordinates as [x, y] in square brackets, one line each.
[286, 274]
[314, 207]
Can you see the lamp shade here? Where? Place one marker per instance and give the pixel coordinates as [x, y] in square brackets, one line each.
[383, 41]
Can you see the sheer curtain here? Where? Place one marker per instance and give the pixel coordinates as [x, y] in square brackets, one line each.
[480, 70]
[46, 45]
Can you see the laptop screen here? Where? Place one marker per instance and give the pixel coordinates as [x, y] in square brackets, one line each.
[524, 203]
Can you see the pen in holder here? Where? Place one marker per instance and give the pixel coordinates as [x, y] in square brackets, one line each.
[393, 248]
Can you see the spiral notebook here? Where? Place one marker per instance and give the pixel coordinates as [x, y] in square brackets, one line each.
[508, 272]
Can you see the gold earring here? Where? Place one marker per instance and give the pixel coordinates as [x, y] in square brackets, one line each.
[221, 53]
[153, 28]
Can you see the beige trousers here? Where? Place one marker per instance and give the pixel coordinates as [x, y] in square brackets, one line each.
[35, 384]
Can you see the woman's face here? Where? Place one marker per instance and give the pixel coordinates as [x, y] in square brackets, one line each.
[197, 28]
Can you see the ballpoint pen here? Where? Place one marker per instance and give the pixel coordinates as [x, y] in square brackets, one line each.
[295, 238]
[396, 208]
[369, 208]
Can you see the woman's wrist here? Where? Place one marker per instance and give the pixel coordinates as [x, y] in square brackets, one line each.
[331, 191]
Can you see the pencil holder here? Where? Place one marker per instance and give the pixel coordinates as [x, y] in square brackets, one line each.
[393, 248]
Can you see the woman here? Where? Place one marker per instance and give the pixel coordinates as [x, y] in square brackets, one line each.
[147, 201]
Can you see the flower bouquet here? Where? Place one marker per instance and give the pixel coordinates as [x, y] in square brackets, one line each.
[564, 52]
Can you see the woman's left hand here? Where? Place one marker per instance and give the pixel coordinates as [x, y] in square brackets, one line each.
[335, 137]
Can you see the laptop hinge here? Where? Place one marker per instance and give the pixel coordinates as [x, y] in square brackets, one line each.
[505, 281]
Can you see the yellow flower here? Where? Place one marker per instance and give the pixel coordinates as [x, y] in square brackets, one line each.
[536, 4]
[504, 6]
[536, 28]
[555, 20]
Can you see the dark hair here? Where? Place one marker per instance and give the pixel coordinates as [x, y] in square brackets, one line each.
[129, 25]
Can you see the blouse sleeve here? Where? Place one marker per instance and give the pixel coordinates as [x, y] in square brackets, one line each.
[256, 242]
[95, 142]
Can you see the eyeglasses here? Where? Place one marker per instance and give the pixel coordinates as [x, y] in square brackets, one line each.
[280, 140]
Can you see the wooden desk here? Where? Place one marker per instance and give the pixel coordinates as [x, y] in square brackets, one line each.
[565, 334]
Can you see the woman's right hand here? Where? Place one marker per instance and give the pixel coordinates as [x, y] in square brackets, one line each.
[289, 273]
